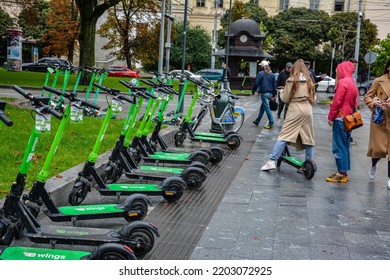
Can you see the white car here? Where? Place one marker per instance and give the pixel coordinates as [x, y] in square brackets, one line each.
[187, 73]
[328, 84]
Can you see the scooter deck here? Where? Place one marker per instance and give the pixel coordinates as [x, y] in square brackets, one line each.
[73, 235]
[163, 159]
[86, 212]
[170, 156]
[29, 253]
[163, 169]
[150, 174]
[209, 134]
[115, 189]
[208, 139]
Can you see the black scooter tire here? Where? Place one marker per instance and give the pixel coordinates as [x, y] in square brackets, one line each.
[78, 193]
[309, 169]
[233, 141]
[176, 187]
[139, 205]
[111, 251]
[142, 241]
[194, 179]
[179, 137]
[216, 155]
[112, 172]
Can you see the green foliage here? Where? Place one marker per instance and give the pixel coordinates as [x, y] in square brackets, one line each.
[198, 47]
[5, 22]
[32, 19]
[383, 51]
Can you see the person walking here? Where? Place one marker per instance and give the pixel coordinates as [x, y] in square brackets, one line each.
[379, 144]
[280, 83]
[343, 104]
[297, 129]
[226, 72]
[265, 85]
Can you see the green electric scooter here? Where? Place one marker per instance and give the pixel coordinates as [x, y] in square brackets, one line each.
[307, 167]
[20, 219]
[121, 161]
[134, 208]
[231, 138]
[108, 251]
[171, 188]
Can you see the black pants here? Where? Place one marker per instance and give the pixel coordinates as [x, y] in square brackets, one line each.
[375, 161]
[282, 106]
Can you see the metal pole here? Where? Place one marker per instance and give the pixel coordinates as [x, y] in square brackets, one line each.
[214, 45]
[360, 15]
[225, 78]
[161, 45]
[183, 54]
[168, 43]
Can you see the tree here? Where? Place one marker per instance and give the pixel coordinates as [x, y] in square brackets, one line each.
[120, 27]
[5, 22]
[383, 51]
[32, 19]
[63, 27]
[90, 11]
[198, 47]
[298, 33]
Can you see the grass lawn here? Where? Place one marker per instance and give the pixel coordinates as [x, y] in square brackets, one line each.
[37, 79]
[76, 144]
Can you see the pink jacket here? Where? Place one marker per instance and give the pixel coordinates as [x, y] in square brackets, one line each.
[344, 100]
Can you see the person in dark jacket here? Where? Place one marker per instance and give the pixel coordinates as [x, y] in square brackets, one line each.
[265, 86]
[280, 83]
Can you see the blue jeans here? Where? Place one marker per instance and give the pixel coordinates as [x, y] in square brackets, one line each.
[340, 146]
[279, 147]
[264, 107]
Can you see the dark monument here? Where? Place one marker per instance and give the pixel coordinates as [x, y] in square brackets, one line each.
[245, 53]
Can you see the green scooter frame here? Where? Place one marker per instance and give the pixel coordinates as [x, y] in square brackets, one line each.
[307, 167]
[171, 188]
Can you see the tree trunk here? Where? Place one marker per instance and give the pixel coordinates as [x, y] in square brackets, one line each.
[87, 41]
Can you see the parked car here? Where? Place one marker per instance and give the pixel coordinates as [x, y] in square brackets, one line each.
[327, 84]
[122, 71]
[186, 72]
[42, 64]
[364, 86]
[211, 74]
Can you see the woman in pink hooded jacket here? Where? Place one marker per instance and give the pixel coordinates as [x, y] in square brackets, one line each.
[344, 103]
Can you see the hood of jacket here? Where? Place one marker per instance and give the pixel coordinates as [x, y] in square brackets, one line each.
[345, 69]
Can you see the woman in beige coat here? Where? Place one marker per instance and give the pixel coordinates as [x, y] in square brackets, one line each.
[379, 145]
[297, 129]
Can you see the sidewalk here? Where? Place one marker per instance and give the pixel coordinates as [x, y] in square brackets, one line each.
[282, 215]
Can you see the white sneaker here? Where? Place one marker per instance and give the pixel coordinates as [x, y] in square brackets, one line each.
[269, 165]
[388, 184]
[373, 171]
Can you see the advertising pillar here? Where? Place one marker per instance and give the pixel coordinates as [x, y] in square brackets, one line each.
[14, 49]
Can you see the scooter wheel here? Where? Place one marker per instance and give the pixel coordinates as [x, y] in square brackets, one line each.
[309, 168]
[194, 179]
[199, 156]
[78, 193]
[179, 138]
[141, 240]
[112, 173]
[141, 207]
[113, 252]
[173, 192]
[216, 156]
[233, 141]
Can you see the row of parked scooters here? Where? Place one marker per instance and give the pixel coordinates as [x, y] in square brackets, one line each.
[136, 155]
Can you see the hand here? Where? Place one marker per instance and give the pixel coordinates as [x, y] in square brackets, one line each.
[377, 102]
[330, 123]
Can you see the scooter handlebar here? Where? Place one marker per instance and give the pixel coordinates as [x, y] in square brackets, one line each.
[90, 105]
[23, 92]
[130, 86]
[150, 83]
[5, 119]
[126, 98]
[101, 87]
[53, 112]
[55, 91]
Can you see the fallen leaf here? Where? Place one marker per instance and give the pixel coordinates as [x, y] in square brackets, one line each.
[59, 176]
[257, 238]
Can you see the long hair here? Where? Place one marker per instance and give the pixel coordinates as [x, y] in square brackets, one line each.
[387, 67]
[299, 69]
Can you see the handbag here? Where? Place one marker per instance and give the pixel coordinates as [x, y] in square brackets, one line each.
[273, 105]
[377, 116]
[353, 121]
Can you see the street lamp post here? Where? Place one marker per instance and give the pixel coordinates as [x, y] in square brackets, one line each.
[214, 45]
[161, 45]
[183, 55]
[225, 78]
[360, 15]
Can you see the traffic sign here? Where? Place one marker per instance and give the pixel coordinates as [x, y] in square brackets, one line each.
[370, 57]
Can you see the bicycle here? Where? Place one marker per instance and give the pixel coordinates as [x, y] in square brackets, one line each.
[231, 118]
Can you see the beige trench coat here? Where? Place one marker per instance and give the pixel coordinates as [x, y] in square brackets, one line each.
[297, 128]
[379, 143]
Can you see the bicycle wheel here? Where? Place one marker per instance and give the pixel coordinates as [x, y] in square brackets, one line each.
[233, 121]
[198, 119]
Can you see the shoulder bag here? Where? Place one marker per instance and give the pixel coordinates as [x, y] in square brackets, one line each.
[353, 121]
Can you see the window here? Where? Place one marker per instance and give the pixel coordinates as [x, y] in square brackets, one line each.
[314, 5]
[339, 6]
[283, 4]
[220, 3]
[200, 3]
